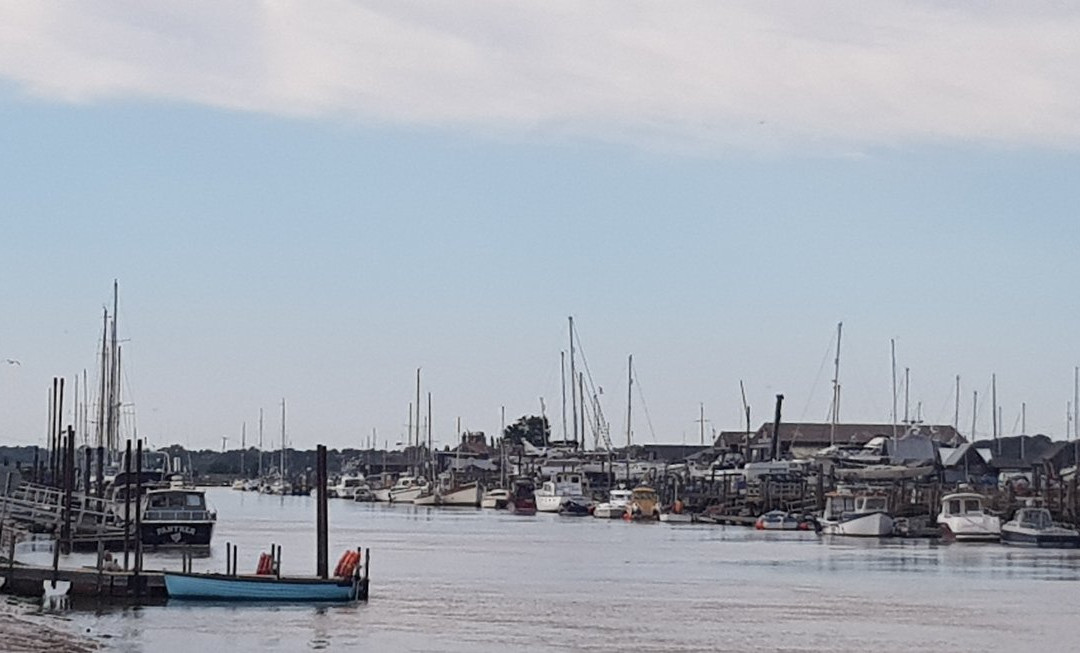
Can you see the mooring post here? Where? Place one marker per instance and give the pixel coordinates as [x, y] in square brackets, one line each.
[228, 557]
[99, 489]
[776, 429]
[88, 461]
[234, 549]
[127, 501]
[69, 488]
[322, 555]
[138, 508]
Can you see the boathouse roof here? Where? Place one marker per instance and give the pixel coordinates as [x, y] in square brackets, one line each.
[814, 434]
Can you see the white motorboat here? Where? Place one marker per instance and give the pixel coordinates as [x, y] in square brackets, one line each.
[346, 487]
[856, 514]
[615, 506]
[497, 499]
[406, 490]
[564, 487]
[964, 518]
[778, 520]
[1035, 527]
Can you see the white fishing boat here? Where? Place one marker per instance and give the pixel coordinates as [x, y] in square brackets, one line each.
[406, 490]
[964, 518]
[564, 487]
[496, 499]
[1035, 527]
[615, 506]
[853, 514]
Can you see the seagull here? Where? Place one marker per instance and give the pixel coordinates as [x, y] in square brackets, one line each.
[12, 361]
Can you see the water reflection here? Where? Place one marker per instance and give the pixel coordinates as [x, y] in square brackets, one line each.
[470, 580]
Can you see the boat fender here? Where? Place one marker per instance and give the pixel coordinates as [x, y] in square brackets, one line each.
[265, 566]
[678, 507]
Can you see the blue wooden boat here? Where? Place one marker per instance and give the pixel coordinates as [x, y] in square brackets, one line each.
[223, 587]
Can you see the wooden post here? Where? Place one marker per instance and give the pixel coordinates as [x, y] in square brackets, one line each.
[69, 487]
[127, 502]
[138, 507]
[99, 490]
[88, 461]
[322, 555]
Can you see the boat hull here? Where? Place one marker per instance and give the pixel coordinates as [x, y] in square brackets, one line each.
[406, 496]
[676, 518]
[549, 503]
[962, 529]
[1041, 540]
[215, 587]
[609, 511]
[874, 524]
[161, 535]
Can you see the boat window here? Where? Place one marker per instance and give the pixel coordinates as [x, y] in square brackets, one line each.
[575, 479]
[972, 505]
[954, 506]
[875, 503]
[1035, 519]
[194, 501]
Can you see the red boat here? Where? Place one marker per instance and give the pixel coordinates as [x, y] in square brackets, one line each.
[522, 499]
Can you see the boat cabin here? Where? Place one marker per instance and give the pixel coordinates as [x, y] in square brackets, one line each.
[644, 502]
[566, 484]
[1034, 518]
[839, 504]
[954, 505]
[175, 504]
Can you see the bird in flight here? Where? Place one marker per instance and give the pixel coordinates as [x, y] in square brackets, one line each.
[12, 361]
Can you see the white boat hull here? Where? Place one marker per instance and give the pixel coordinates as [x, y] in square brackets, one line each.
[873, 524]
[609, 511]
[675, 518]
[406, 496]
[971, 529]
[546, 503]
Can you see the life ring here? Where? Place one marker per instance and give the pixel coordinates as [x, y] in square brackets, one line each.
[341, 562]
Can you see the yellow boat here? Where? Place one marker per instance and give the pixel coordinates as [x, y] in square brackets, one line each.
[644, 504]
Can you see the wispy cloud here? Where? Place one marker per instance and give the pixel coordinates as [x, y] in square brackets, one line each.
[753, 75]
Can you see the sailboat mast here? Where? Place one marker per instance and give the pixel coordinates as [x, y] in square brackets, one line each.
[746, 409]
[1076, 396]
[260, 442]
[283, 440]
[101, 430]
[416, 442]
[956, 415]
[701, 420]
[993, 407]
[907, 395]
[974, 413]
[562, 377]
[629, 399]
[892, 350]
[573, 386]
[836, 388]
[114, 373]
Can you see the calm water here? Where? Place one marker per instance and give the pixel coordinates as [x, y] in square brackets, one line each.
[470, 580]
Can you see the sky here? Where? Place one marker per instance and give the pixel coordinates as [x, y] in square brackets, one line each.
[311, 201]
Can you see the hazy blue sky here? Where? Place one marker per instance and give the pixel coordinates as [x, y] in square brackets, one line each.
[312, 203]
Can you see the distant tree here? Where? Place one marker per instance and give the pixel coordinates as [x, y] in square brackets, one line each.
[531, 428]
